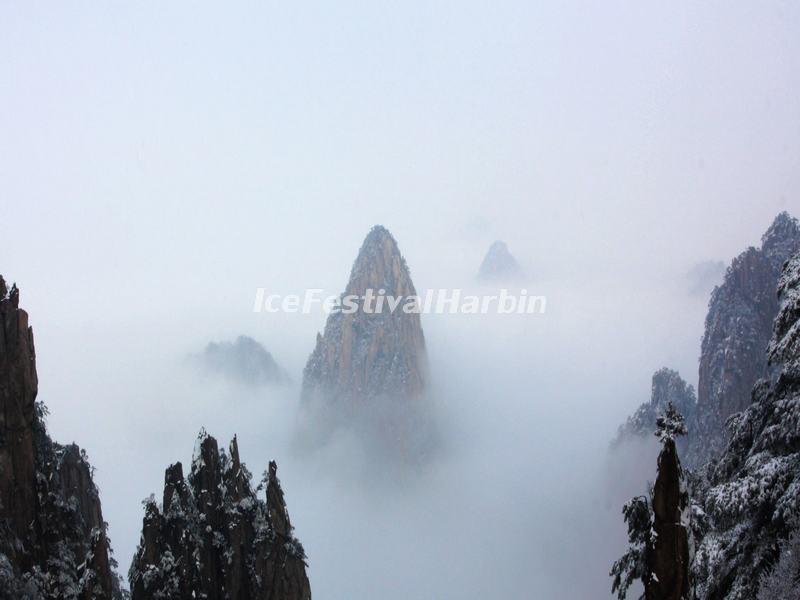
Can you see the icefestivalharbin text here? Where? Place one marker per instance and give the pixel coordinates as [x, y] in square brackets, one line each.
[441, 301]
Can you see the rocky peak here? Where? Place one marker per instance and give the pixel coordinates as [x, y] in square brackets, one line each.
[779, 242]
[243, 361]
[53, 542]
[213, 537]
[499, 264]
[369, 354]
[737, 330]
[668, 387]
[369, 368]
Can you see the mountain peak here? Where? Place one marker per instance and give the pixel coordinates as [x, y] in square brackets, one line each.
[370, 363]
[781, 239]
[379, 234]
[499, 263]
[379, 265]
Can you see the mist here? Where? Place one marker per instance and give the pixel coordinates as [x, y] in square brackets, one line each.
[159, 164]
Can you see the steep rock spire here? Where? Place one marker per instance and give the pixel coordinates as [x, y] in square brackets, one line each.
[53, 540]
[370, 366]
[213, 537]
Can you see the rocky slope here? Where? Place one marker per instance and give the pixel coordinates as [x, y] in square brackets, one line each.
[733, 351]
[243, 361]
[737, 331]
[369, 367]
[499, 264]
[212, 536]
[747, 505]
[53, 542]
[667, 388]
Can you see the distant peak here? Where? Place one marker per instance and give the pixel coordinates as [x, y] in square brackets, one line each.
[499, 263]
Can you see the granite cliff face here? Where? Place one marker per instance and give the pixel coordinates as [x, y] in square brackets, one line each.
[737, 331]
[667, 388]
[499, 264]
[369, 367]
[747, 504]
[212, 536]
[53, 542]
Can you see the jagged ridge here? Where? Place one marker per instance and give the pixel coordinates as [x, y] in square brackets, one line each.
[212, 537]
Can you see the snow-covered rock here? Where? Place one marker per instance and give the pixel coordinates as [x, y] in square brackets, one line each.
[737, 330]
[751, 496]
[668, 387]
[213, 537]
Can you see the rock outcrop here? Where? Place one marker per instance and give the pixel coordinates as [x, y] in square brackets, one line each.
[667, 388]
[659, 527]
[243, 361]
[369, 367]
[668, 554]
[212, 536]
[748, 502]
[737, 331]
[499, 264]
[53, 541]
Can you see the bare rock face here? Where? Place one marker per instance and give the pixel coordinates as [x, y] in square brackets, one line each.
[748, 502]
[499, 264]
[370, 365]
[737, 331]
[212, 536]
[53, 542]
[668, 388]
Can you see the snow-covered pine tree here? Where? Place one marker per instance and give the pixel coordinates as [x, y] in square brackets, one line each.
[632, 566]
